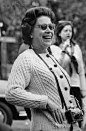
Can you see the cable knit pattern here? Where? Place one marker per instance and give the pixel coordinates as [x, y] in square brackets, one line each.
[30, 73]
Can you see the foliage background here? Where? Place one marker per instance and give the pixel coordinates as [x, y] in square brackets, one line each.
[12, 12]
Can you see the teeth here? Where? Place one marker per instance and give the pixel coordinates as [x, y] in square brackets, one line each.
[48, 37]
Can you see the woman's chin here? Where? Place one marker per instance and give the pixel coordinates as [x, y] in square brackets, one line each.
[48, 43]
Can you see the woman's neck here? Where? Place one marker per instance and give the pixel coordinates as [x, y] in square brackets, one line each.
[40, 50]
[63, 41]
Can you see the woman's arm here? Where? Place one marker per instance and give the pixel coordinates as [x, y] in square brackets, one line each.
[18, 81]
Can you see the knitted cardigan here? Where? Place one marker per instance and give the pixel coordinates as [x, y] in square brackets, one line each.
[31, 84]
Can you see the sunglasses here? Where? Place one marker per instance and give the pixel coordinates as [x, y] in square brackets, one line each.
[45, 26]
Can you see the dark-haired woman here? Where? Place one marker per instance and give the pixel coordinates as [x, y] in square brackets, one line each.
[70, 57]
[36, 76]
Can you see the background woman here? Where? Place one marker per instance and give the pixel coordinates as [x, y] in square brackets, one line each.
[70, 57]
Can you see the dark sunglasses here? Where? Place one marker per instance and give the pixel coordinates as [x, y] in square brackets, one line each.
[44, 26]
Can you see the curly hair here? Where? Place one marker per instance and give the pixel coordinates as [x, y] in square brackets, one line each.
[61, 24]
[30, 18]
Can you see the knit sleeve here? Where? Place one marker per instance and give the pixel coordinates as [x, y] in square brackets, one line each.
[18, 80]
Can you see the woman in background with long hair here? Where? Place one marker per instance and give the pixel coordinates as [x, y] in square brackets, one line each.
[68, 53]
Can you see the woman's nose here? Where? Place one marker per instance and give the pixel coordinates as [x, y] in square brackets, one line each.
[68, 32]
[48, 29]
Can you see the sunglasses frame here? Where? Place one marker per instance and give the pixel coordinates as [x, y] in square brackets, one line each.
[50, 26]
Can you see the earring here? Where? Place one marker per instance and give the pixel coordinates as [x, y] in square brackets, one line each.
[31, 36]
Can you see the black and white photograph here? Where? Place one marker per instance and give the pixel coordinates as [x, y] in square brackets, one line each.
[42, 65]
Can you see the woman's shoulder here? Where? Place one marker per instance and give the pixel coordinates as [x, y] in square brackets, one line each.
[75, 44]
[77, 52]
[77, 47]
[27, 53]
[24, 58]
[23, 47]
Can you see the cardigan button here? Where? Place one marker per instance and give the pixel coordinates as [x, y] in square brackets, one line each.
[70, 101]
[61, 76]
[50, 68]
[55, 65]
[47, 55]
[66, 88]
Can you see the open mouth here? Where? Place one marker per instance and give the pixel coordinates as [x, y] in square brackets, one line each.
[68, 36]
[48, 37]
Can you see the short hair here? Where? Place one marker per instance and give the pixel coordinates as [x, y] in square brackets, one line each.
[30, 18]
[60, 25]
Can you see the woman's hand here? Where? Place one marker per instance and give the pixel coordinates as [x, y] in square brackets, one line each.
[67, 48]
[66, 44]
[56, 113]
[51, 106]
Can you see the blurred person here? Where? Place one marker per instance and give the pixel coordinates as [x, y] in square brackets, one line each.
[69, 55]
[36, 77]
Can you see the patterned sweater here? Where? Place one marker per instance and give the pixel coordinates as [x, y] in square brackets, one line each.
[31, 84]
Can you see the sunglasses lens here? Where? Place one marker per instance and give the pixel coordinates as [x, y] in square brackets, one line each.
[44, 27]
[51, 27]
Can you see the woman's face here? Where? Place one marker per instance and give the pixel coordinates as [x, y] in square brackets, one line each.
[66, 33]
[43, 33]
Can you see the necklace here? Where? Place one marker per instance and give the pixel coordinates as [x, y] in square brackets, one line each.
[44, 55]
[46, 61]
[56, 63]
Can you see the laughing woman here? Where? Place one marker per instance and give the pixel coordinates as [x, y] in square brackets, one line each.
[36, 76]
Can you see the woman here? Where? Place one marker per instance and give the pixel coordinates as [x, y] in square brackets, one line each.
[32, 82]
[70, 57]
[64, 40]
